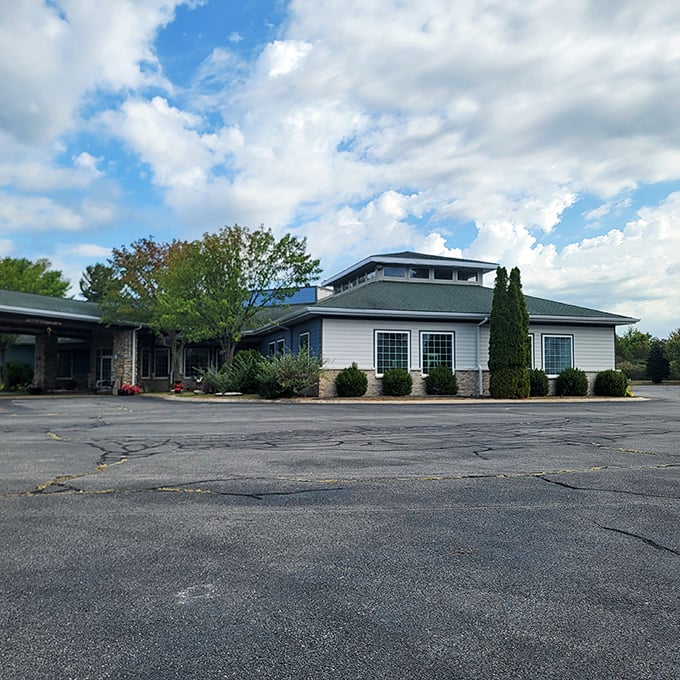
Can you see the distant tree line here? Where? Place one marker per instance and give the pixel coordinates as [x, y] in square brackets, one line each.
[644, 357]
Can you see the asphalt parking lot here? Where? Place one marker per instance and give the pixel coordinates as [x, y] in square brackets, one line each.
[148, 538]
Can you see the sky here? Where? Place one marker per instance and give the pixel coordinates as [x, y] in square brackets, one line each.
[543, 135]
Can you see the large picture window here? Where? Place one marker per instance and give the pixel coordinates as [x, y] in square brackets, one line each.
[391, 350]
[436, 349]
[558, 353]
[196, 360]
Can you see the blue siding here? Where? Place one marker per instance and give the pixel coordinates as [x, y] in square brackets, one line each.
[291, 337]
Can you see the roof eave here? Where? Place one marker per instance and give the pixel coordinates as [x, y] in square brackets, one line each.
[48, 314]
[584, 320]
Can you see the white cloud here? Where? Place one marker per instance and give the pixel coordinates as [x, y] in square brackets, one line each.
[55, 53]
[21, 213]
[282, 57]
[6, 247]
[632, 271]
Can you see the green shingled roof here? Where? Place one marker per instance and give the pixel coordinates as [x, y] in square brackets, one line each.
[456, 299]
[44, 304]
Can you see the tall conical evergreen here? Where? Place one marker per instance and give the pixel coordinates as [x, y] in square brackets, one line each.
[509, 344]
[498, 322]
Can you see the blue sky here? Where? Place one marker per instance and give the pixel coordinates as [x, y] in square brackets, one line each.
[544, 135]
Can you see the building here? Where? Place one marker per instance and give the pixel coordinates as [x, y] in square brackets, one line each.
[404, 309]
[416, 311]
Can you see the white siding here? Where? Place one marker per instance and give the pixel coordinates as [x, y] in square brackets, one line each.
[348, 340]
[352, 340]
[593, 345]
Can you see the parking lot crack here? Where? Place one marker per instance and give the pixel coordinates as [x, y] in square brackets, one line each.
[61, 484]
[573, 487]
[644, 539]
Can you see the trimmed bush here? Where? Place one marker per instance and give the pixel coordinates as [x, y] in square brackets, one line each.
[351, 382]
[611, 384]
[441, 380]
[539, 383]
[509, 383]
[397, 382]
[571, 382]
[288, 375]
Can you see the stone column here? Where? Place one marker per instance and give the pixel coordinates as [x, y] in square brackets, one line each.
[45, 362]
[122, 358]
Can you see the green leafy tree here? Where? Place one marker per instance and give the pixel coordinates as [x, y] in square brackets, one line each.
[658, 366]
[24, 276]
[672, 353]
[221, 283]
[138, 291]
[97, 280]
[633, 346]
[509, 344]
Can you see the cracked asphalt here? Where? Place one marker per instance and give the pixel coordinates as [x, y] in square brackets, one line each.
[149, 538]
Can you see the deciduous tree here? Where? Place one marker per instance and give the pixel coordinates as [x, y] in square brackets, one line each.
[25, 276]
[222, 282]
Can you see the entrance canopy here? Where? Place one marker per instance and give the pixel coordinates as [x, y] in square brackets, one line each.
[29, 314]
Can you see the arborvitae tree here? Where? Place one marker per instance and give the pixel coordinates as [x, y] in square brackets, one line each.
[509, 345]
[498, 322]
[658, 366]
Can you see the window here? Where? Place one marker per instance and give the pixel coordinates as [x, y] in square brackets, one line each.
[444, 274]
[64, 364]
[196, 360]
[557, 353]
[436, 349]
[467, 276]
[146, 363]
[303, 344]
[281, 347]
[391, 350]
[272, 349]
[161, 362]
[395, 272]
[419, 273]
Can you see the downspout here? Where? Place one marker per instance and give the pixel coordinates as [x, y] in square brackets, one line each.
[480, 372]
[133, 368]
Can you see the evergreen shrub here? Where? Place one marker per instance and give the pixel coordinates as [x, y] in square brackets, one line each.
[397, 382]
[288, 375]
[244, 372]
[510, 383]
[571, 382]
[611, 384]
[351, 382]
[441, 380]
[216, 380]
[539, 383]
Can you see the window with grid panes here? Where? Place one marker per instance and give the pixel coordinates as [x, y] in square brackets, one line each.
[391, 350]
[436, 349]
[558, 353]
